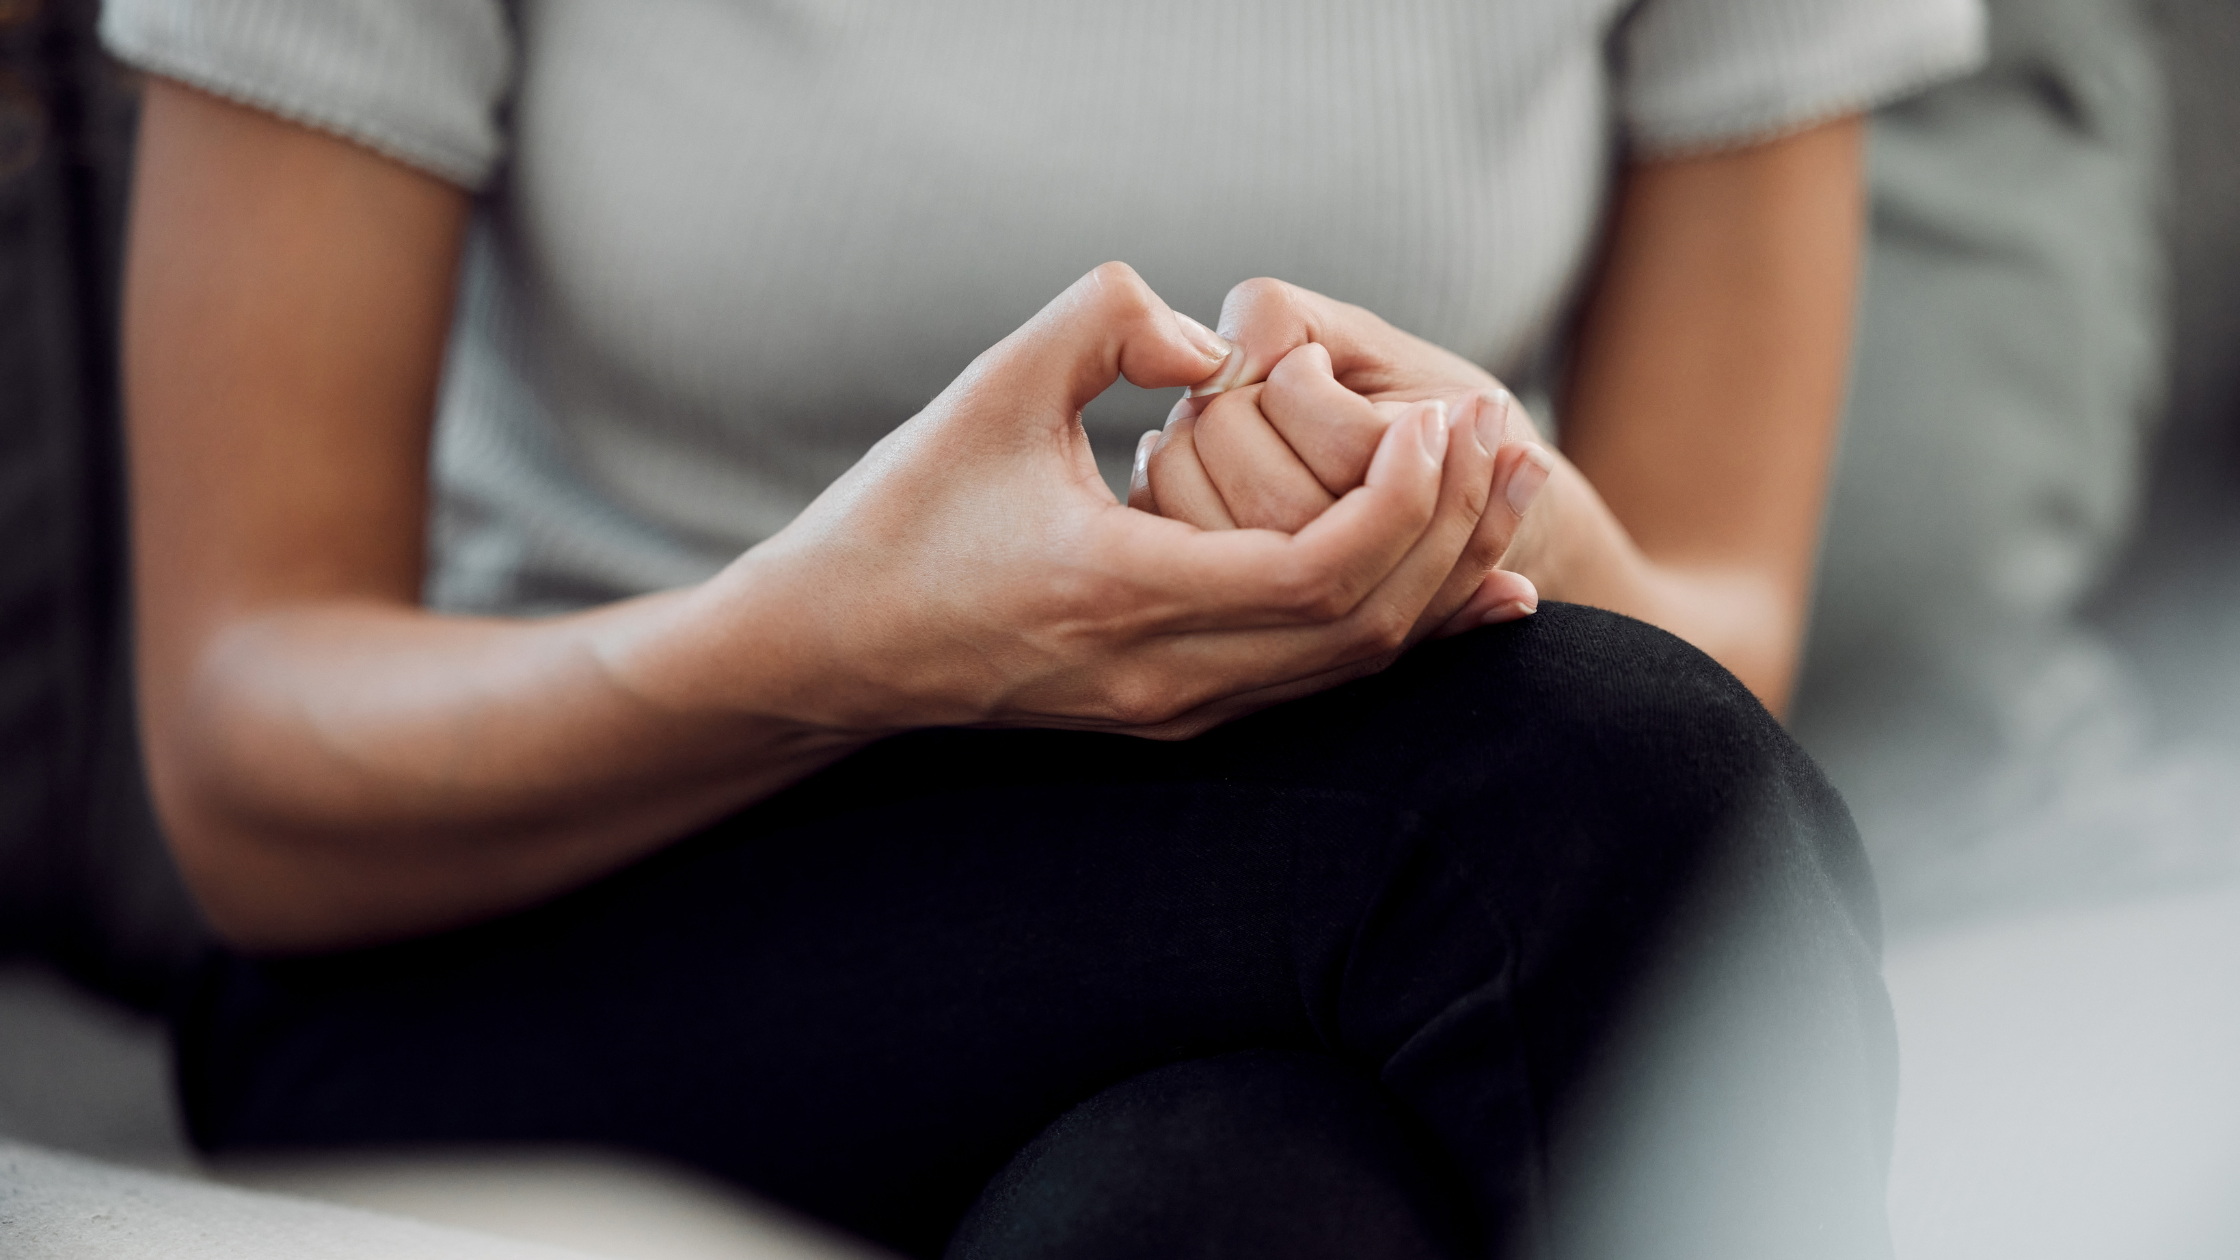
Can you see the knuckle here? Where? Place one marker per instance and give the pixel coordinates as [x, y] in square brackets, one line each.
[1172, 455]
[1260, 289]
[1259, 299]
[1477, 496]
[1139, 699]
[1487, 545]
[1085, 602]
[1228, 410]
[1122, 292]
[1331, 602]
[1291, 590]
[1116, 275]
[1384, 629]
[1312, 595]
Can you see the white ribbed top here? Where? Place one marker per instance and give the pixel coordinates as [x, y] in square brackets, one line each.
[723, 247]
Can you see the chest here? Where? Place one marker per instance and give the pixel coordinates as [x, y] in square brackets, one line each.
[811, 207]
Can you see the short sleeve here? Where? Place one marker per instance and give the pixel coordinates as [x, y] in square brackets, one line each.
[423, 81]
[1700, 75]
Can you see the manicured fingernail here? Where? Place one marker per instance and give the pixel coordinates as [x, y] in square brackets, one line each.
[1511, 611]
[1209, 343]
[1493, 419]
[1220, 382]
[1228, 354]
[1525, 480]
[1435, 429]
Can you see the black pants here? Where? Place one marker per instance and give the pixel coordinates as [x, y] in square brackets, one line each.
[1569, 947]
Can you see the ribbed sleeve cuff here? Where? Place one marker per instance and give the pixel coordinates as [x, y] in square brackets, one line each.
[1702, 75]
[422, 81]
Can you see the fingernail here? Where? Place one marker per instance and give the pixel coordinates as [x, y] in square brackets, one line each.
[1435, 430]
[1209, 343]
[1220, 382]
[1525, 480]
[1228, 354]
[1511, 611]
[1493, 419]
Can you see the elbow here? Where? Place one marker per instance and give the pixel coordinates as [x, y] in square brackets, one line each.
[271, 881]
[263, 886]
[227, 867]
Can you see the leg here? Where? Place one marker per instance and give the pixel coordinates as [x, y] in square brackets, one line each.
[1491, 878]
[1258, 1153]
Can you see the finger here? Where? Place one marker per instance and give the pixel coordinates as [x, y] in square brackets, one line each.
[1192, 671]
[1176, 479]
[1372, 528]
[1261, 578]
[1259, 476]
[1436, 577]
[1176, 577]
[1106, 325]
[1268, 319]
[1519, 470]
[1140, 496]
[1501, 596]
[1333, 430]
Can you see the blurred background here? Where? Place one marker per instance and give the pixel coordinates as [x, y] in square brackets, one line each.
[2024, 671]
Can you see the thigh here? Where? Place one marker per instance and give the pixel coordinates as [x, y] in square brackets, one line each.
[1262, 1153]
[859, 999]
[863, 995]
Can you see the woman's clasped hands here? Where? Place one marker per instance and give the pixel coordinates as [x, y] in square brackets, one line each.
[1283, 535]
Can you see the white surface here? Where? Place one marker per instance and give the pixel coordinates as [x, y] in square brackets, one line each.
[80, 1074]
[58, 1207]
[2071, 1086]
[623, 1208]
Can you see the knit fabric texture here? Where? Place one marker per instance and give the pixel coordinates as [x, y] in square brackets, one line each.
[722, 248]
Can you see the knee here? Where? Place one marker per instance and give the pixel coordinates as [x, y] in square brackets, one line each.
[1600, 680]
[1592, 696]
[1587, 745]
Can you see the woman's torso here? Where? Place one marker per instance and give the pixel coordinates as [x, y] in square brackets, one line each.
[734, 244]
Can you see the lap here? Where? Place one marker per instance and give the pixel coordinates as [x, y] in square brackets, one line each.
[863, 995]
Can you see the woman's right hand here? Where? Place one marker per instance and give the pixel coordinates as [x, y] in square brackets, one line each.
[974, 569]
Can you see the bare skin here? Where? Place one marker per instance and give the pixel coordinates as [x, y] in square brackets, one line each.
[1698, 423]
[337, 766]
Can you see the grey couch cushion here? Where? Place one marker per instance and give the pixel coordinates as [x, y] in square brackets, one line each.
[84, 877]
[2010, 364]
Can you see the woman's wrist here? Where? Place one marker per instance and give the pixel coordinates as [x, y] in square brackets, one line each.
[717, 662]
[1576, 550]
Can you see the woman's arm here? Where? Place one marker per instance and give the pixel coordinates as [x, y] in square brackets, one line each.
[332, 764]
[336, 766]
[1704, 397]
[1699, 417]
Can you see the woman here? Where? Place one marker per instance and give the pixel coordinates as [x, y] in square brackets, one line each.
[628, 778]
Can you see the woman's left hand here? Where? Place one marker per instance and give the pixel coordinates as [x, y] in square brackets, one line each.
[1706, 383]
[1278, 436]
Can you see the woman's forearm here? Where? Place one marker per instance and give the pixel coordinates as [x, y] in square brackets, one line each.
[1706, 386]
[339, 774]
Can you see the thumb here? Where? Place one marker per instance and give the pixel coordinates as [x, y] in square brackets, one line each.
[1269, 319]
[1106, 325]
